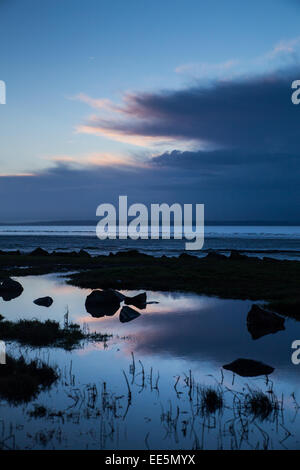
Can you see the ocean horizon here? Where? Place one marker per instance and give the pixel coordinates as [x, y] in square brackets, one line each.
[279, 241]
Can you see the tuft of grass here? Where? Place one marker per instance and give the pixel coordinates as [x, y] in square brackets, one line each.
[211, 400]
[259, 404]
[39, 411]
[48, 333]
[21, 381]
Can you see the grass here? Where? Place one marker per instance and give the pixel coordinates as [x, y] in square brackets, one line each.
[48, 333]
[20, 382]
[211, 400]
[260, 405]
[196, 415]
[245, 278]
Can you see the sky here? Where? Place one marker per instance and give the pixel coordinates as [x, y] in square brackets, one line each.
[184, 101]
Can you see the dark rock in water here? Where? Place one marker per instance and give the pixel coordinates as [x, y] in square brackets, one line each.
[102, 302]
[44, 301]
[39, 252]
[10, 289]
[260, 322]
[215, 255]
[121, 297]
[131, 254]
[186, 257]
[249, 368]
[139, 301]
[128, 314]
[84, 254]
[267, 259]
[237, 255]
[13, 253]
[65, 254]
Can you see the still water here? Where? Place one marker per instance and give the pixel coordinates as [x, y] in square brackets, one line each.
[175, 347]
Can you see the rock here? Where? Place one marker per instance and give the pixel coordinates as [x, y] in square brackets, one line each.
[186, 257]
[102, 302]
[10, 289]
[260, 322]
[131, 254]
[139, 301]
[83, 253]
[248, 368]
[122, 297]
[39, 252]
[215, 255]
[237, 255]
[65, 254]
[44, 301]
[128, 314]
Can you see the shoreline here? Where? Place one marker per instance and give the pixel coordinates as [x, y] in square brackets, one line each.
[237, 276]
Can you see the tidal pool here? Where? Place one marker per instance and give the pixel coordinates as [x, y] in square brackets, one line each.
[144, 387]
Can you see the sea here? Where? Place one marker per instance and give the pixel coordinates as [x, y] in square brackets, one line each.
[281, 242]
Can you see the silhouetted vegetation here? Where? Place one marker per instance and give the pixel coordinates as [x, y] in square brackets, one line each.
[237, 276]
[48, 333]
[21, 381]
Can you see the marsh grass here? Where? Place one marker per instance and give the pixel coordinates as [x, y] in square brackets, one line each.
[47, 333]
[211, 400]
[260, 404]
[194, 415]
[21, 381]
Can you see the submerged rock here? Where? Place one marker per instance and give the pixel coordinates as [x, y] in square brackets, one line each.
[248, 368]
[10, 289]
[139, 301]
[128, 314]
[102, 302]
[44, 301]
[260, 322]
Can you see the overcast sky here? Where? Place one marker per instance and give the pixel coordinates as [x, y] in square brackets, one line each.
[164, 101]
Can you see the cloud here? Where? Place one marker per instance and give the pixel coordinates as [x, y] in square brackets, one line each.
[98, 159]
[250, 113]
[208, 70]
[232, 185]
[284, 53]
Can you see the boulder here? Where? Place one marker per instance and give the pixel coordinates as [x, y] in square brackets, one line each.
[214, 255]
[235, 254]
[100, 303]
[10, 289]
[260, 322]
[248, 368]
[121, 296]
[84, 254]
[139, 301]
[128, 314]
[39, 252]
[44, 301]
